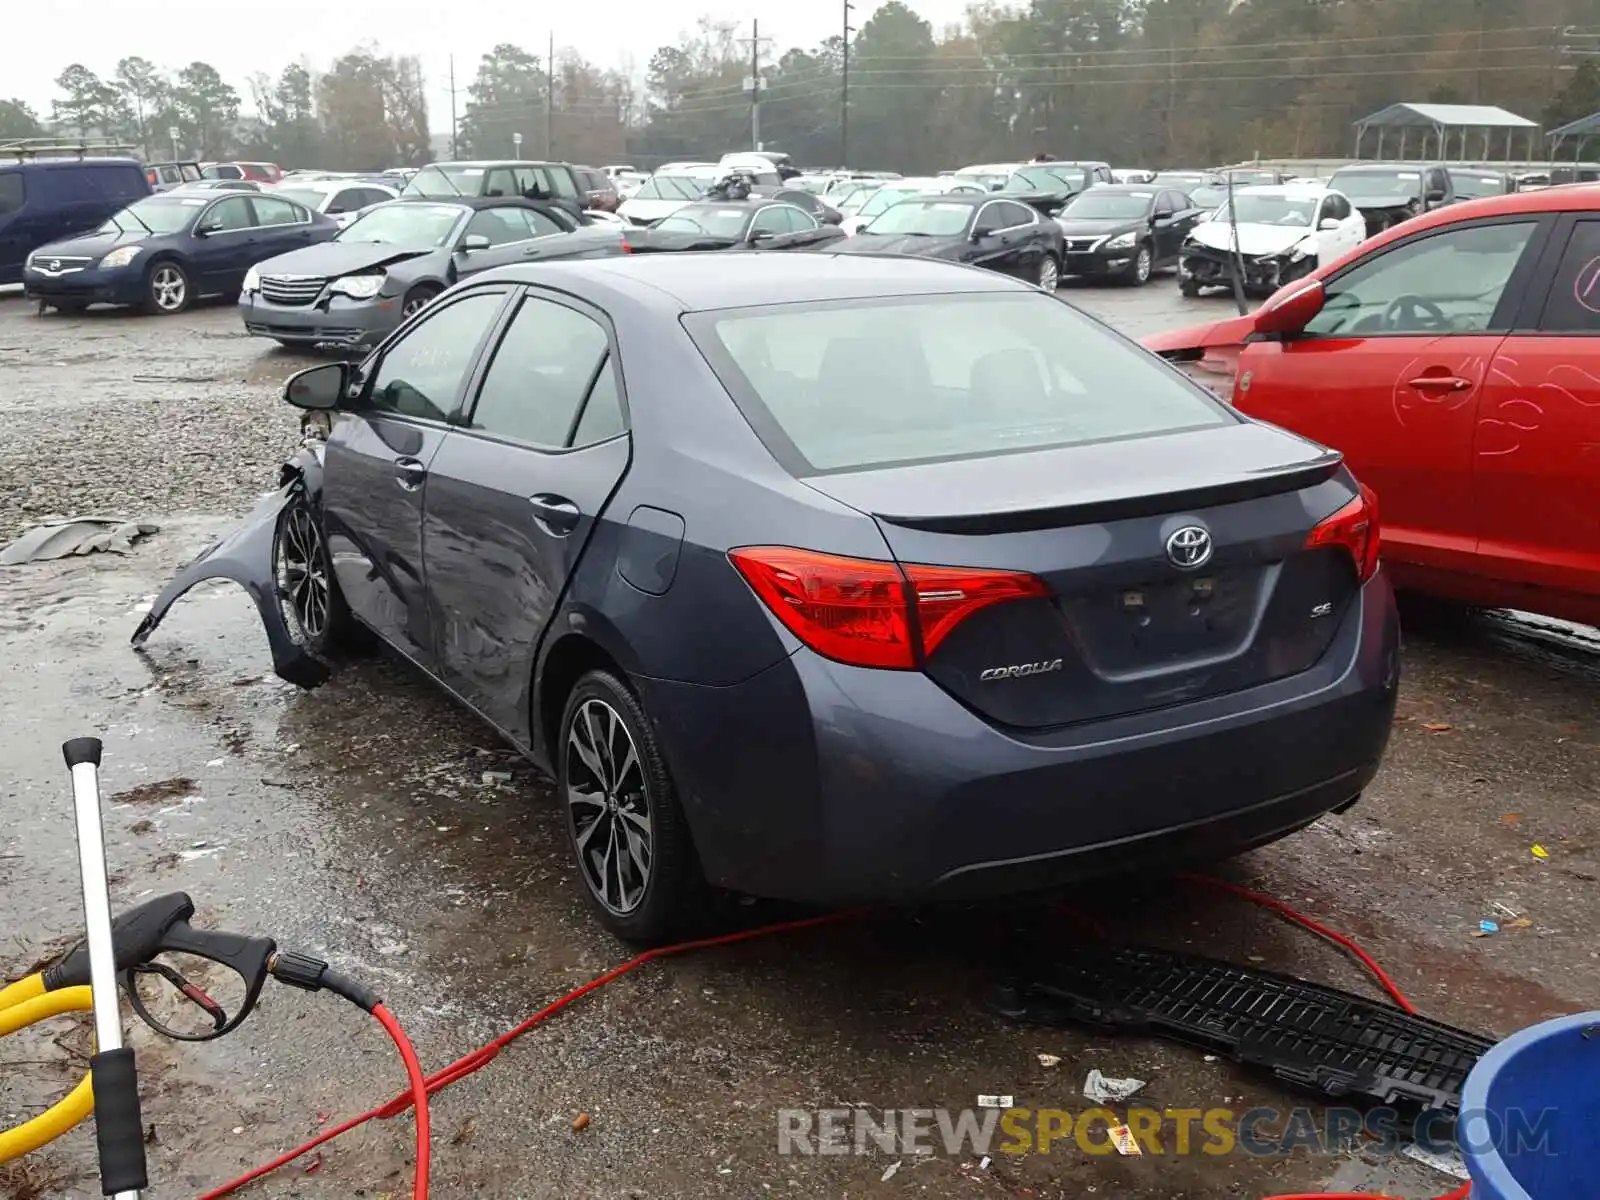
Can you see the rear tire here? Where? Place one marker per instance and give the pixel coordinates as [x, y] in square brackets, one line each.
[625, 826]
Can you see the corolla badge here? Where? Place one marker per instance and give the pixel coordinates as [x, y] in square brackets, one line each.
[1020, 670]
[1189, 547]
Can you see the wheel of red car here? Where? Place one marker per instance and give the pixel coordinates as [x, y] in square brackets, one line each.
[167, 288]
[624, 824]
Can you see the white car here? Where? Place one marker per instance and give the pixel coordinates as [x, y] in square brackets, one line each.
[896, 190]
[1284, 231]
[992, 176]
[662, 195]
[341, 199]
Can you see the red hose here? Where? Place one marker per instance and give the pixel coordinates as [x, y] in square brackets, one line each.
[420, 1087]
[1316, 927]
[480, 1057]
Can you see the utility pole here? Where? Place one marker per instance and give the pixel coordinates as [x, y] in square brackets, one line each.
[753, 83]
[454, 125]
[550, 100]
[844, 88]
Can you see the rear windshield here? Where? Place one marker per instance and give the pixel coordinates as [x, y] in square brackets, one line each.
[851, 385]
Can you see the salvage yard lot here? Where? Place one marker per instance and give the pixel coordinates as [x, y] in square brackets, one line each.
[357, 822]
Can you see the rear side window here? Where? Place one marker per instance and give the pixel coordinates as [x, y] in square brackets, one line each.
[847, 386]
[13, 192]
[544, 367]
[1574, 302]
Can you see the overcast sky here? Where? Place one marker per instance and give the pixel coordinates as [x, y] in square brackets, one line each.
[239, 41]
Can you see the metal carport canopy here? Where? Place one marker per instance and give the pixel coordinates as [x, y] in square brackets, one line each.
[1582, 127]
[1442, 120]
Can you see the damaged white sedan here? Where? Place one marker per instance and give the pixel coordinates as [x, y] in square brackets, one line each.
[1283, 231]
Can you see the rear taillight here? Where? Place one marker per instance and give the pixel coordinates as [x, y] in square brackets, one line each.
[870, 613]
[1355, 528]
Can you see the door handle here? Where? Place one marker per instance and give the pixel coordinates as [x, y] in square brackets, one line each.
[1440, 383]
[409, 473]
[558, 515]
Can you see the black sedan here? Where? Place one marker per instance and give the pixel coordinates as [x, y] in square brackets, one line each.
[397, 256]
[664, 522]
[1126, 231]
[733, 225]
[982, 229]
[167, 250]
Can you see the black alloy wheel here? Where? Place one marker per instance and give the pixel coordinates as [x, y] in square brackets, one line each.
[624, 825]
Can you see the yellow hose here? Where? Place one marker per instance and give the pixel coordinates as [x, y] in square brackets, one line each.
[22, 989]
[18, 1010]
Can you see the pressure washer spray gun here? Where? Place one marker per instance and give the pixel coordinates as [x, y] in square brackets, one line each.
[188, 984]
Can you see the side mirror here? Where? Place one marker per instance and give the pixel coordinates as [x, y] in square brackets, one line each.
[206, 230]
[1293, 313]
[319, 388]
[759, 235]
[474, 241]
[1329, 224]
[1434, 195]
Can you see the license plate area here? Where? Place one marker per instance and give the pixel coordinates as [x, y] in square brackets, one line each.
[1165, 623]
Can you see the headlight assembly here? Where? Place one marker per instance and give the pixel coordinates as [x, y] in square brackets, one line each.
[1123, 241]
[357, 287]
[121, 256]
[252, 281]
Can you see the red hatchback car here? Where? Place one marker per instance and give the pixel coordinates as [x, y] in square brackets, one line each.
[1455, 361]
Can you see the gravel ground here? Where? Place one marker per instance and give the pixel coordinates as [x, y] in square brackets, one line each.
[115, 413]
[355, 822]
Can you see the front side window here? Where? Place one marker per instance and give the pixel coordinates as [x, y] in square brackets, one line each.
[421, 375]
[500, 225]
[272, 211]
[545, 365]
[851, 385]
[1574, 302]
[347, 201]
[227, 216]
[770, 221]
[1450, 282]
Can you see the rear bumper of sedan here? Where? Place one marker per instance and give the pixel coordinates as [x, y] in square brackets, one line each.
[336, 321]
[826, 784]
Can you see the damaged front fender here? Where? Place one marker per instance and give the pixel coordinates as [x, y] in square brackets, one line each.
[245, 556]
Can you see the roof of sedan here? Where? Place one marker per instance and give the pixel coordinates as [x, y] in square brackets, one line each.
[710, 281]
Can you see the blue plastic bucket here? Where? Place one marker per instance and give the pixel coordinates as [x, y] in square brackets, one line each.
[1530, 1114]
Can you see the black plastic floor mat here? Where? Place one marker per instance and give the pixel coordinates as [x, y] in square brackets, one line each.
[1307, 1035]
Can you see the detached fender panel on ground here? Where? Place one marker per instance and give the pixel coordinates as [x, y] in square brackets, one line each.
[245, 557]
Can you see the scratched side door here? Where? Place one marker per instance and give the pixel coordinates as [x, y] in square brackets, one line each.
[1536, 456]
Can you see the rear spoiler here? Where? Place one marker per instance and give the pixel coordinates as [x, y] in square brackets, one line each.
[1129, 507]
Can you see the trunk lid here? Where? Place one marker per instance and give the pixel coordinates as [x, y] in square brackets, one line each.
[1124, 629]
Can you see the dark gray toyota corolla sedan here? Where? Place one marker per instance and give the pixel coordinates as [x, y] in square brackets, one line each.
[846, 578]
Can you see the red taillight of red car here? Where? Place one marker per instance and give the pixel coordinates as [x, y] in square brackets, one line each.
[1355, 528]
[870, 613]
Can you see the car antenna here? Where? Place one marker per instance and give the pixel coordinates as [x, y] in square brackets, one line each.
[1235, 252]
